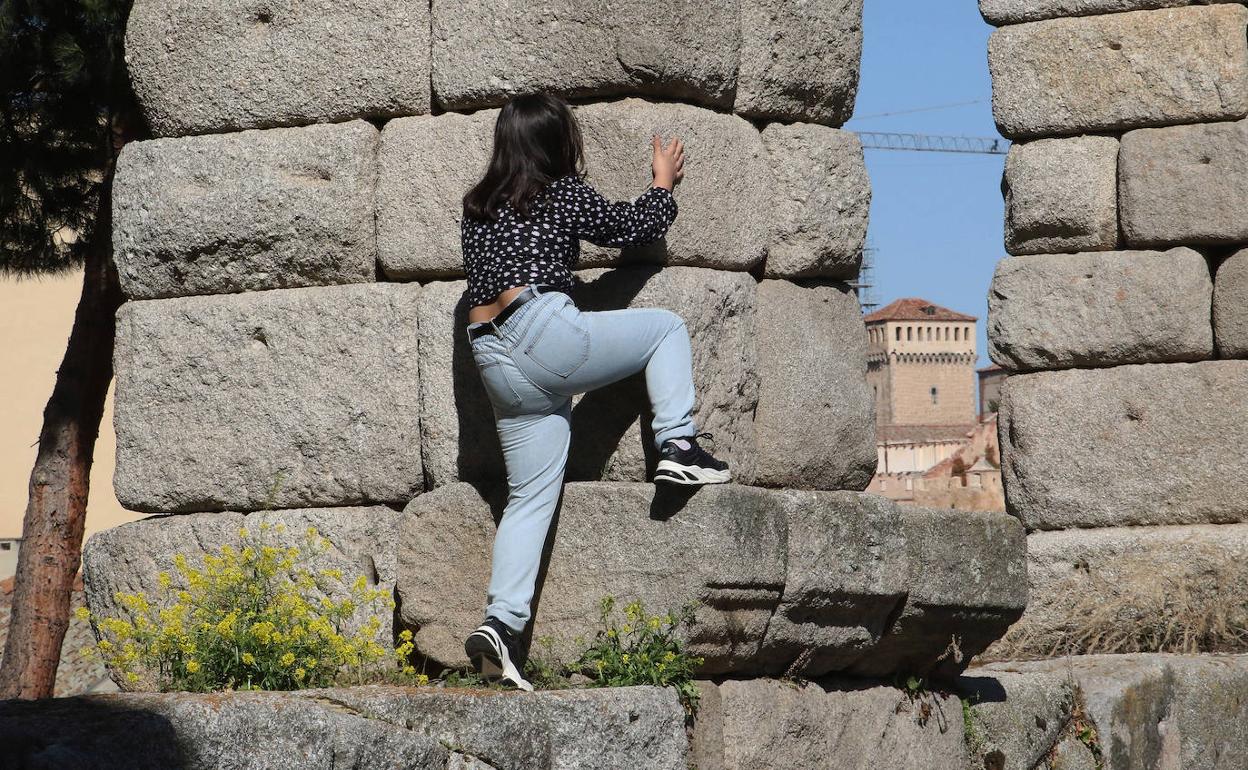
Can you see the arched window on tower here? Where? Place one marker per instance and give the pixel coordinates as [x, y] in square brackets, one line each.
[934, 394]
[899, 334]
[956, 334]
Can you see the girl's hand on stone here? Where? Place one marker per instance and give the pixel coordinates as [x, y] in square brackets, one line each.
[668, 162]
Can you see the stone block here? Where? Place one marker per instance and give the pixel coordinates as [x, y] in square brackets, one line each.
[611, 436]
[1014, 719]
[1002, 12]
[1120, 71]
[129, 557]
[760, 724]
[1097, 309]
[799, 61]
[209, 67]
[1061, 195]
[1128, 445]
[1184, 184]
[282, 399]
[1230, 306]
[240, 212]
[1105, 589]
[485, 52]
[821, 386]
[823, 196]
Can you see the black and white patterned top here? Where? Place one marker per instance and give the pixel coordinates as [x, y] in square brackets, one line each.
[545, 246]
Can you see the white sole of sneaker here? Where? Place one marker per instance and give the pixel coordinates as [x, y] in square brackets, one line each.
[489, 656]
[668, 472]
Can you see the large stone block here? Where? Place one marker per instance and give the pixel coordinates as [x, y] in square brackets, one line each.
[484, 52]
[1098, 309]
[240, 212]
[1184, 184]
[799, 60]
[723, 546]
[129, 557]
[1001, 12]
[807, 389]
[822, 199]
[285, 398]
[1014, 719]
[761, 724]
[1230, 306]
[207, 67]
[1115, 588]
[611, 436]
[1119, 71]
[1139, 444]
[1061, 195]
[724, 202]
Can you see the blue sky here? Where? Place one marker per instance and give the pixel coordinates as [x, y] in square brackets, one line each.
[936, 218]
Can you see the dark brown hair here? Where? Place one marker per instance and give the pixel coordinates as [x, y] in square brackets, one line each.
[536, 141]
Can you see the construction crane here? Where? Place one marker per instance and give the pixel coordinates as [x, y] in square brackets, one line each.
[978, 145]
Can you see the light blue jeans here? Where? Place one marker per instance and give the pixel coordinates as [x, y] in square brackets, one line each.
[546, 352]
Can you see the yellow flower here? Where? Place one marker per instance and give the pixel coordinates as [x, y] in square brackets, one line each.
[624, 658]
[288, 659]
[248, 658]
[82, 613]
[192, 666]
[300, 673]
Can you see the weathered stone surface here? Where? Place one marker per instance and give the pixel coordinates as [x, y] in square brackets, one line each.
[1230, 306]
[1070, 753]
[1184, 184]
[207, 731]
[1014, 719]
[725, 202]
[1118, 71]
[592, 728]
[1160, 710]
[610, 427]
[253, 210]
[484, 52]
[1001, 12]
[206, 67]
[723, 546]
[764, 723]
[1100, 309]
[1139, 444]
[967, 577]
[822, 384]
[283, 399]
[1090, 590]
[799, 61]
[846, 577]
[823, 196]
[1061, 195]
[129, 557]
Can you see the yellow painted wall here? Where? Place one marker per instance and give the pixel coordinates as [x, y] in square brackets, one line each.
[35, 318]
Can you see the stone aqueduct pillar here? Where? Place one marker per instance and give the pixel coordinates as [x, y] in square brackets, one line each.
[1123, 310]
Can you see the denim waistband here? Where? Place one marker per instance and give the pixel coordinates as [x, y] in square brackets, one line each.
[516, 320]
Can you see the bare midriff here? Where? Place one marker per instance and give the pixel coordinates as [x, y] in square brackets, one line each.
[486, 312]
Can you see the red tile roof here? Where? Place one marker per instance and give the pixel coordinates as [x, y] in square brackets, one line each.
[916, 309]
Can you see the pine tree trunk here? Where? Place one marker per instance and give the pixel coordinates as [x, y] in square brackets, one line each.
[52, 530]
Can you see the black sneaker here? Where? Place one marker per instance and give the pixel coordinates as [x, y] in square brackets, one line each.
[682, 461]
[494, 650]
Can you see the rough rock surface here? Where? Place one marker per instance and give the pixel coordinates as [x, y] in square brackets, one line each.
[224, 65]
[1061, 195]
[799, 60]
[252, 210]
[1184, 184]
[821, 384]
[1070, 753]
[1001, 12]
[1015, 718]
[723, 545]
[1085, 583]
[611, 426]
[359, 727]
[1100, 309]
[1230, 306]
[1129, 445]
[823, 196]
[764, 723]
[484, 51]
[282, 399]
[129, 557]
[1119, 71]
[1160, 710]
